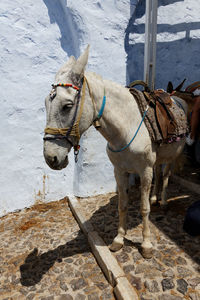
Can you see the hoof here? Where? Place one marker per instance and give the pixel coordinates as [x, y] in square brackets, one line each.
[153, 200]
[147, 252]
[116, 245]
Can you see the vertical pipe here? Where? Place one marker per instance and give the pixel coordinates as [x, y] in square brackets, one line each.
[147, 42]
[150, 42]
[154, 35]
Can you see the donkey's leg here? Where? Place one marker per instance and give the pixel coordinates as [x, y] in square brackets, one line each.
[146, 180]
[166, 174]
[157, 184]
[122, 185]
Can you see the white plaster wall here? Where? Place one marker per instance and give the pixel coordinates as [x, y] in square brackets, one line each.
[31, 53]
[178, 40]
[36, 38]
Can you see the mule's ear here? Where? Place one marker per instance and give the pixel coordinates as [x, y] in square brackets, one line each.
[69, 64]
[66, 67]
[81, 63]
[71, 60]
[170, 87]
[179, 87]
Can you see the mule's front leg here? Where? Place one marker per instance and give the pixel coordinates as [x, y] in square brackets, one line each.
[146, 180]
[122, 185]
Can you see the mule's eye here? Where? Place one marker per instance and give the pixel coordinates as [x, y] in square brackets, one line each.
[67, 107]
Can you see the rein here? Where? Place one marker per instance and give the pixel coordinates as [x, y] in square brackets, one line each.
[147, 89]
[125, 147]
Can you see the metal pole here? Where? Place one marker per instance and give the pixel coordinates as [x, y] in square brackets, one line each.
[147, 42]
[150, 42]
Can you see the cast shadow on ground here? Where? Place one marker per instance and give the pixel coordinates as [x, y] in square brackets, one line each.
[105, 221]
[36, 265]
[176, 52]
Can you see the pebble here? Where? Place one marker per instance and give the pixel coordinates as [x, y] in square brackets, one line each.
[168, 273]
[167, 284]
[152, 286]
[182, 286]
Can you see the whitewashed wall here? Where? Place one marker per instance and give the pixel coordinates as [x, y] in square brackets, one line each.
[36, 38]
[31, 53]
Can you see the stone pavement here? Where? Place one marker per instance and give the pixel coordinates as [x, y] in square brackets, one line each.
[174, 271]
[44, 255]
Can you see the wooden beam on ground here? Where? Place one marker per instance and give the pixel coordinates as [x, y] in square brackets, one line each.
[115, 275]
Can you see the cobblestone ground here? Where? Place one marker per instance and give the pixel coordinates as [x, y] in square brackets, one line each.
[174, 272]
[44, 255]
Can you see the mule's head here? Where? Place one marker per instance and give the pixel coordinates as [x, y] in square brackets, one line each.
[170, 87]
[62, 112]
[184, 95]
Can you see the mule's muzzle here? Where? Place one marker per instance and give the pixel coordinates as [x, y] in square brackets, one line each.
[54, 163]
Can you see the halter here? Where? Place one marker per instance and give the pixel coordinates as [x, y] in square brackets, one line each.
[73, 129]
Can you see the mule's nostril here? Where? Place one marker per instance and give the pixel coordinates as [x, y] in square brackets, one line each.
[55, 160]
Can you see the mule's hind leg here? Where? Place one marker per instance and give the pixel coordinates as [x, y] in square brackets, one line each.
[146, 180]
[166, 174]
[157, 184]
[122, 185]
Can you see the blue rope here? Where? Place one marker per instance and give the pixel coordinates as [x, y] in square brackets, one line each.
[102, 106]
[125, 147]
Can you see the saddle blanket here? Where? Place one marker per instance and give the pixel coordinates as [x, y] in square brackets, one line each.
[166, 123]
[193, 88]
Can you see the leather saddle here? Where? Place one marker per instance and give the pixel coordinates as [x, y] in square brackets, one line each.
[161, 102]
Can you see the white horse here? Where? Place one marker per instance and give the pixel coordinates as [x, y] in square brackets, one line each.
[80, 99]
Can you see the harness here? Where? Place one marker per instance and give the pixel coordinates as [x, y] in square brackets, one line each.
[125, 147]
[73, 129]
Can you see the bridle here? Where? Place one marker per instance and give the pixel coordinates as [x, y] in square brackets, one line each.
[73, 129]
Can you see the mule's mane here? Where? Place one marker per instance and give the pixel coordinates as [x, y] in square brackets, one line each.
[109, 82]
[94, 75]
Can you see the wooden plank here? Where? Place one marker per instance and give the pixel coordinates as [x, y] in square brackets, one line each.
[124, 290]
[80, 215]
[106, 260]
[115, 275]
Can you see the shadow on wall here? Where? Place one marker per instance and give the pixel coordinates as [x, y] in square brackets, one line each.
[175, 59]
[60, 14]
